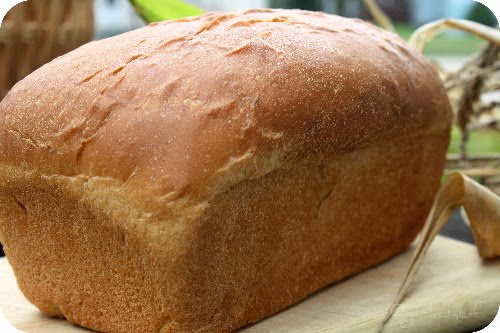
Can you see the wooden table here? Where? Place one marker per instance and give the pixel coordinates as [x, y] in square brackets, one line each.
[454, 291]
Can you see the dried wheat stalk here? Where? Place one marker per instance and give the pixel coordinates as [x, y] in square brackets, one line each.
[378, 15]
[467, 89]
[483, 211]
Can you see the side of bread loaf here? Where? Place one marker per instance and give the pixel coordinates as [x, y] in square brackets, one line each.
[201, 174]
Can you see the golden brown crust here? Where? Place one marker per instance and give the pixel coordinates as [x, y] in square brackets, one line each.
[210, 171]
[192, 107]
[258, 248]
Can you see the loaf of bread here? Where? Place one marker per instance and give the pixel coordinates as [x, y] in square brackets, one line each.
[199, 175]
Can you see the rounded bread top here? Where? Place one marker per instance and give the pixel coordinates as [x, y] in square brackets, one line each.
[186, 109]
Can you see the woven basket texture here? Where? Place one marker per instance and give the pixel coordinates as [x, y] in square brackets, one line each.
[36, 31]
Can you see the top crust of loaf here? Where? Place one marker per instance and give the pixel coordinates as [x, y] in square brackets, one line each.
[184, 110]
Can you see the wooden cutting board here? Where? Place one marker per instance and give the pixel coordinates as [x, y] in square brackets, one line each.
[454, 291]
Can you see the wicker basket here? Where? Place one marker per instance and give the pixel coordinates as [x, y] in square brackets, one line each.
[35, 32]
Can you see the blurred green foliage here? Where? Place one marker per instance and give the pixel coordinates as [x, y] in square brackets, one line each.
[480, 142]
[482, 14]
[307, 5]
[461, 44]
[161, 10]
